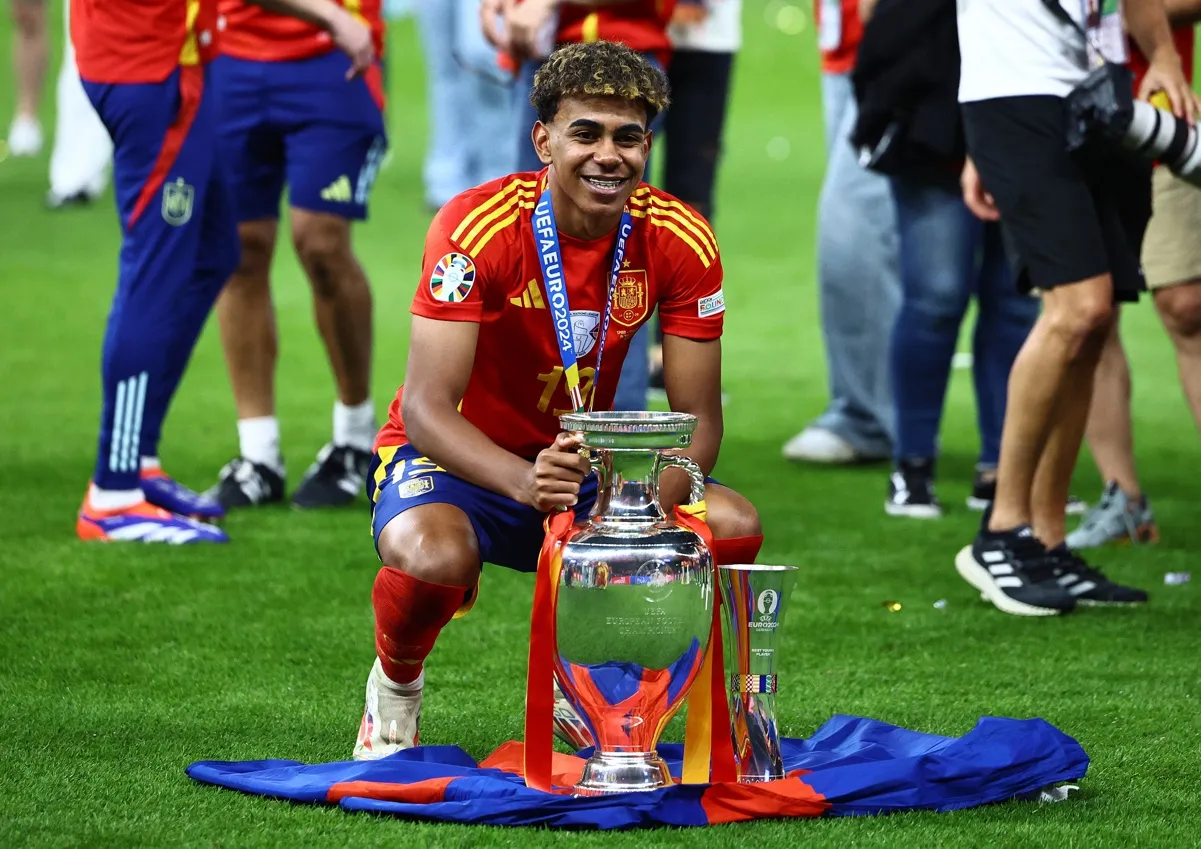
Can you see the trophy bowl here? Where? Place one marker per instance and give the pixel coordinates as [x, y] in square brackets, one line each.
[634, 602]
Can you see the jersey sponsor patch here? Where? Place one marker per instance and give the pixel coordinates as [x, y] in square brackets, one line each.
[711, 304]
[452, 279]
[585, 329]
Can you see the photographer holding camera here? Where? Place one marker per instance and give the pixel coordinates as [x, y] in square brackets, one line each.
[1075, 220]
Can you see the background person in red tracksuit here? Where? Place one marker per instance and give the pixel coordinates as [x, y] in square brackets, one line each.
[144, 67]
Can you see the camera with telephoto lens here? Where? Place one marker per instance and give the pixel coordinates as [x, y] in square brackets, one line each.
[1103, 107]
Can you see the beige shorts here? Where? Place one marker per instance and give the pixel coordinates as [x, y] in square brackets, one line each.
[1172, 246]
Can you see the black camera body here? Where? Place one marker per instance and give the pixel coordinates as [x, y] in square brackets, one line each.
[1103, 109]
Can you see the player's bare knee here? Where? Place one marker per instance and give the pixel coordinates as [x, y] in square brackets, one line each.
[258, 244]
[1180, 307]
[429, 552]
[30, 18]
[323, 247]
[732, 516]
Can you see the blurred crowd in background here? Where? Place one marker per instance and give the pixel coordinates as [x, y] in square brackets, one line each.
[899, 257]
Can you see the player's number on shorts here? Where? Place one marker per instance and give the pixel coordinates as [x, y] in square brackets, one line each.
[554, 378]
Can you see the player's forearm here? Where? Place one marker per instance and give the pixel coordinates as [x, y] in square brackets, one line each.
[1148, 25]
[1183, 13]
[444, 436]
[318, 12]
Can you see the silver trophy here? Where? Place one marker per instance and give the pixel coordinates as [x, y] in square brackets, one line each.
[754, 598]
[634, 606]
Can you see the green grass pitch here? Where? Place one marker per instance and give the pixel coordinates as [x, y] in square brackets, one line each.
[120, 665]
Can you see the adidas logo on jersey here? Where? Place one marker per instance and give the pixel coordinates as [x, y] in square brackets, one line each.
[338, 191]
[530, 298]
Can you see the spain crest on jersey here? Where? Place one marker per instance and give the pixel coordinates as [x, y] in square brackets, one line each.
[452, 279]
[177, 202]
[631, 298]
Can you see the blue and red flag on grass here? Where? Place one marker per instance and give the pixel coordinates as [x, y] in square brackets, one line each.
[850, 766]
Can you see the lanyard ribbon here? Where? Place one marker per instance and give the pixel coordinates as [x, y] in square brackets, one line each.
[551, 256]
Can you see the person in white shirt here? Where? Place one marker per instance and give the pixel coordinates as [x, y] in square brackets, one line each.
[82, 151]
[1075, 223]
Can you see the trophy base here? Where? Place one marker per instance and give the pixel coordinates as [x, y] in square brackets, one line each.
[606, 773]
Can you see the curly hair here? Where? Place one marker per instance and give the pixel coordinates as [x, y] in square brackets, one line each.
[598, 69]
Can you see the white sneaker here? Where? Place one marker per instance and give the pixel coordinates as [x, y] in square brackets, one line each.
[391, 717]
[817, 445]
[568, 726]
[25, 136]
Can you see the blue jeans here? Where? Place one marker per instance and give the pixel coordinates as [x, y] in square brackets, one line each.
[635, 371]
[947, 255]
[471, 118]
[857, 282]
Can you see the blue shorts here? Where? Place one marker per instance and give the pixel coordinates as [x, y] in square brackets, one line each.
[509, 533]
[303, 124]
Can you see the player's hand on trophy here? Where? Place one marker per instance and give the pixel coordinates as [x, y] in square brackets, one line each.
[554, 480]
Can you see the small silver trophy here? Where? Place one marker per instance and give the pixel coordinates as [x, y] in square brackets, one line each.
[754, 598]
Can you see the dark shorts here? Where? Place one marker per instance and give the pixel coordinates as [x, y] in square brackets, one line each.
[509, 533]
[302, 124]
[1066, 216]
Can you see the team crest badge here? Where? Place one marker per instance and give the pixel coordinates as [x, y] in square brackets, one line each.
[585, 329]
[631, 298]
[453, 277]
[177, 202]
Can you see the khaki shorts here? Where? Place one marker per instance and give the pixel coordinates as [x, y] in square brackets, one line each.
[1172, 246]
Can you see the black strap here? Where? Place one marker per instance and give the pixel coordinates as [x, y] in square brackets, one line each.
[1054, 7]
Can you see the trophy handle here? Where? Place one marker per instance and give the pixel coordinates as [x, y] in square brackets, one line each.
[696, 492]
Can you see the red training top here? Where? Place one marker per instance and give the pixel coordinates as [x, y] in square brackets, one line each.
[122, 41]
[251, 32]
[839, 32]
[485, 238]
[640, 24]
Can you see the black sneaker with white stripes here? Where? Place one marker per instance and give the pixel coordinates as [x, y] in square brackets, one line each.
[1087, 584]
[242, 483]
[335, 479]
[911, 491]
[1014, 571]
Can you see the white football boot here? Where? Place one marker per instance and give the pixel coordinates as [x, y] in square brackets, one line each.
[391, 717]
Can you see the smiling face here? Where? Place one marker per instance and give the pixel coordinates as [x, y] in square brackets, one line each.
[597, 148]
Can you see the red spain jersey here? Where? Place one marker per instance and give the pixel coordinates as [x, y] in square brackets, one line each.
[123, 41]
[839, 31]
[251, 32]
[639, 24]
[482, 264]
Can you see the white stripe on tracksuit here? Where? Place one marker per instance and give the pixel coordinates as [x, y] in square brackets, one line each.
[124, 454]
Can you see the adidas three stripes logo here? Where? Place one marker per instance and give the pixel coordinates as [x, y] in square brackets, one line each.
[125, 454]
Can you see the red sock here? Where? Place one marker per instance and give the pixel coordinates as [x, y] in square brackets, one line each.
[409, 615]
[728, 552]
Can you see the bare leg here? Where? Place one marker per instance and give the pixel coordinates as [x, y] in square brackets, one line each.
[1049, 496]
[247, 319]
[1180, 308]
[29, 55]
[1057, 355]
[341, 299]
[1110, 431]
